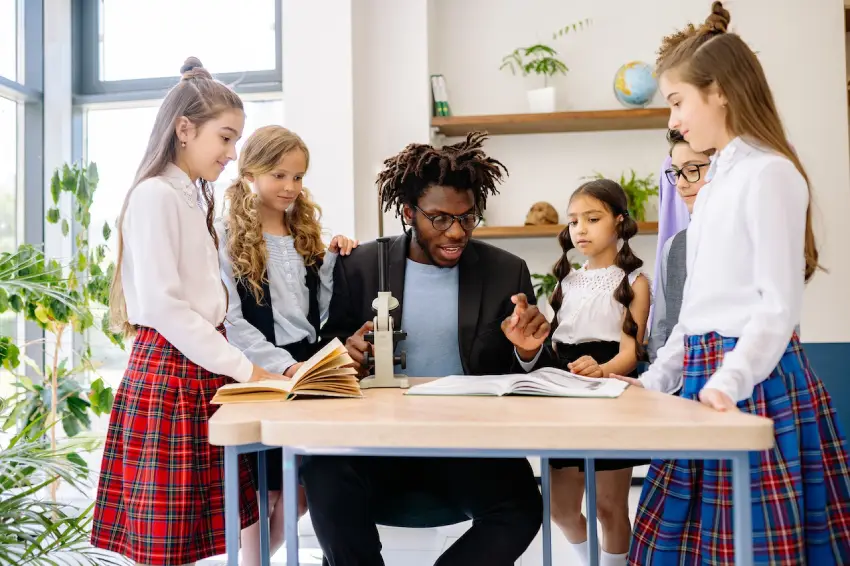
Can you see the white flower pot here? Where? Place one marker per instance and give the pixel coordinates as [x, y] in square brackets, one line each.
[541, 99]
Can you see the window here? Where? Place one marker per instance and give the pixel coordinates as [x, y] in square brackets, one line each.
[220, 33]
[9, 39]
[117, 164]
[8, 175]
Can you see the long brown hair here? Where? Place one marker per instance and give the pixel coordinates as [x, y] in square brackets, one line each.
[709, 57]
[613, 197]
[260, 155]
[199, 98]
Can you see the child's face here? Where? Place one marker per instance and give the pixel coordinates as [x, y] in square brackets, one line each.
[592, 225]
[692, 167]
[699, 116]
[212, 146]
[279, 188]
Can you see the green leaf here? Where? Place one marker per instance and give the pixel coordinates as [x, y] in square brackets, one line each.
[92, 173]
[65, 227]
[83, 192]
[16, 303]
[77, 459]
[4, 300]
[53, 215]
[69, 178]
[107, 231]
[55, 187]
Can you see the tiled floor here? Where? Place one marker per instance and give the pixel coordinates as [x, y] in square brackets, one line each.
[408, 547]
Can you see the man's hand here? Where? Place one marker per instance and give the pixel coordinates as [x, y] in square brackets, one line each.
[357, 345]
[526, 328]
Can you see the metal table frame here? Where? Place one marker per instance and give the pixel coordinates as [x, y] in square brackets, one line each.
[741, 495]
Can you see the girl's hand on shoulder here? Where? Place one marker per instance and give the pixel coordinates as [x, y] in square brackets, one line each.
[717, 400]
[290, 371]
[586, 366]
[629, 380]
[342, 245]
[259, 374]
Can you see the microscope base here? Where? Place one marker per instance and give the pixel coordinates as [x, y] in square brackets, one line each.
[371, 382]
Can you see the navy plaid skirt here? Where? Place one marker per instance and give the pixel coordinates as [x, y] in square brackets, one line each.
[800, 488]
[160, 498]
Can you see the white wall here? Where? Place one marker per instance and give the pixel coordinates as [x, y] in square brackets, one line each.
[802, 48]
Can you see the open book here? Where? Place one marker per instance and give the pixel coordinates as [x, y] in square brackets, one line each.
[544, 382]
[323, 375]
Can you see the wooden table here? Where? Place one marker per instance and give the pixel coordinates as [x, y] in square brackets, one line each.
[639, 424]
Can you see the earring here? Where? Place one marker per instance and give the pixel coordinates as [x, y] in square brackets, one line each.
[183, 144]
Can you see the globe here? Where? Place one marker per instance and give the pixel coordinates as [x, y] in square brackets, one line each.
[635, 84]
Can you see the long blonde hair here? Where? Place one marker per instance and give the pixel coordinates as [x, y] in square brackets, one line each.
[199, 98]
[709, 57]
[246, 247]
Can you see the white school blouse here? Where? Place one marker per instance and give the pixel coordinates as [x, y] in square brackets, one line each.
[589, 311]
[745, 269]
[171, 275]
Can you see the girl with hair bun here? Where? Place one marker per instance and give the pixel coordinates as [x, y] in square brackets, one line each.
[601, 311]
[160, 498]
[735, 346]
[279, 276]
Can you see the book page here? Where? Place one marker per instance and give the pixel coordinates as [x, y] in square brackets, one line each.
[277, 385]
[465, 385]
[331, 350]
[556, 382]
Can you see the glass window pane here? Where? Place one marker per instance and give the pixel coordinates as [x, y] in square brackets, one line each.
[9, 39]
[116, 165]
[8, 175]
[227, 36]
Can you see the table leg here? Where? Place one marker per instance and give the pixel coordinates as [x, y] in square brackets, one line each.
[545, 487]
[590, 497]
[290, 505]
[265, 551]
[742, 520]
[231, 503]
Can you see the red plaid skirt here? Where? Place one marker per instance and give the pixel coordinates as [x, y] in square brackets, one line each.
[160, 498]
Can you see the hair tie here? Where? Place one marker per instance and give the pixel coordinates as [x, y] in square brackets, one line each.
[626, 213]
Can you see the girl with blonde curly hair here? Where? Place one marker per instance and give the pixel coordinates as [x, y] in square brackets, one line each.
[279, 277]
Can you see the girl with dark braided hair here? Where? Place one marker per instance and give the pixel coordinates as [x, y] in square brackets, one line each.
[601, 311]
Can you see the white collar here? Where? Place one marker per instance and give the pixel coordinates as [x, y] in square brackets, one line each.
[178, 179]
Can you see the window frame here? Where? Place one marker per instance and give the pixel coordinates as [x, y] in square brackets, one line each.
[89, 88]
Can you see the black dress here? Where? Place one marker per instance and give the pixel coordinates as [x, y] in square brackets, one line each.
[601, 352]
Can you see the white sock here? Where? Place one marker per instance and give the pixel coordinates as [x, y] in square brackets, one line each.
[581, 553]
[606, 559]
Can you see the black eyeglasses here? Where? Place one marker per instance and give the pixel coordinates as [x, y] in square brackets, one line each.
[691, 173]
[443, 222]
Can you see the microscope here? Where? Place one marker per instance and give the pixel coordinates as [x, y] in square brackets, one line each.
[383, 338]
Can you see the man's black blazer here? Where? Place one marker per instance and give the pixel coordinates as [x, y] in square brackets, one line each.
[489, 276]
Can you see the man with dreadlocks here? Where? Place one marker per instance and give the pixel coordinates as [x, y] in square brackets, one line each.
[454, 294]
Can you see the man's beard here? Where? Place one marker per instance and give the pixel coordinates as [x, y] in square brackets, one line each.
[424, 246]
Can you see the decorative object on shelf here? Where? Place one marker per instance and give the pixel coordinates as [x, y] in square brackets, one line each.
[440, 96]
[638, 190]
[544, 231]
[541, 59]
[541, 213]
[635, 84]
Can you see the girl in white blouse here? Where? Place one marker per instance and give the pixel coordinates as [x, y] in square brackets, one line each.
[279, 277]
[160, 498]
[750, 252]
[601, 311]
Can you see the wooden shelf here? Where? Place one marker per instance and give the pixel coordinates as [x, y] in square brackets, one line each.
[545, 231]
[543, 123]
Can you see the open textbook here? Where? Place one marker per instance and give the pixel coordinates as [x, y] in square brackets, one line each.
[544, 382]
[326, 374]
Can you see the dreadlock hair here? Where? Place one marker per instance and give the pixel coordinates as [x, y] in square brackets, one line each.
[613, 197]
[463, 166]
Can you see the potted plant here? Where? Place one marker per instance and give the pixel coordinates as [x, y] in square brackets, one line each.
[61, 299]
[544, 286]
[638, 191]
[540, 59]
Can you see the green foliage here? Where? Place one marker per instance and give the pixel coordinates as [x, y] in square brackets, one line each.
[35, 531]
[545, 284]
[541, 59]
[638, 191]
[61, 299]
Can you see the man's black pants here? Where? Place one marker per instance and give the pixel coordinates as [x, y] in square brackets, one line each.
[499, 495]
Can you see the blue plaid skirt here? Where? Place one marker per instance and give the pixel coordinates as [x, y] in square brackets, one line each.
[800, 488]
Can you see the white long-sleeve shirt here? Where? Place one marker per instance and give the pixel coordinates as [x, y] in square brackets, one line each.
[745, 268]
[171, 276]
